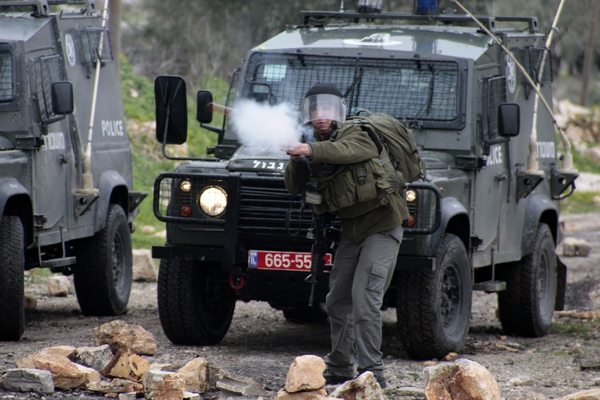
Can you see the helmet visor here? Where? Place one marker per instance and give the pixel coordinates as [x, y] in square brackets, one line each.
[323, 106]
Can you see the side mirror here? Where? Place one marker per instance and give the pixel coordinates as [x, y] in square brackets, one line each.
[171, 109]
[204, 115]
[62, 98]
[509, 119]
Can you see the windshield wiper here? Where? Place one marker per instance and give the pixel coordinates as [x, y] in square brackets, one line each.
[354, 84]
[430, 98]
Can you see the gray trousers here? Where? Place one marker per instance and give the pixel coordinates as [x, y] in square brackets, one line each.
[360, 276]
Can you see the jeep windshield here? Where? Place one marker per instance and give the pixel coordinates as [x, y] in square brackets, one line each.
[421, 93]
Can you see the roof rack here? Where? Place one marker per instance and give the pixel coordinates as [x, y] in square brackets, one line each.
[41, 7]
[318, 18]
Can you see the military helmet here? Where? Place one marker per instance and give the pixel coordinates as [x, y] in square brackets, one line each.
[323, 101]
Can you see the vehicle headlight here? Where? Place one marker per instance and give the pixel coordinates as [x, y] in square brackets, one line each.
[185, 186]
[411, 195]
[213, 201]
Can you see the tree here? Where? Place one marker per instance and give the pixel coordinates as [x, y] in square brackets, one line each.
[114, 28]
[589, 53]
[194, 38]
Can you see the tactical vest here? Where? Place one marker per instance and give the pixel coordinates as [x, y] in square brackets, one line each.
[355, 189]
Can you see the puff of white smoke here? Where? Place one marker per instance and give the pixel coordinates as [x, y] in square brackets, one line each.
[266, 127]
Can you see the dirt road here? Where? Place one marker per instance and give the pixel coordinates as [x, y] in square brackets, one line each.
[262, 345]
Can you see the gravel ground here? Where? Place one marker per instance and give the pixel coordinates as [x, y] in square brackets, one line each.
[261, 344]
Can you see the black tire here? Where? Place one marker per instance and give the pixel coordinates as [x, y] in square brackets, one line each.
[526, 306]
[434, 307]
[305, 314]
[195, 302]
[103, 273]
[12, 286]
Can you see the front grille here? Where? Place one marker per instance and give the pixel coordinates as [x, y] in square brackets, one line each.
[263, 205]
[258, 206]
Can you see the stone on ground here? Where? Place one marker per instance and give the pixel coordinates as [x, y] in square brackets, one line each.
[460, 379]
[28, 380]
[305, 374]
[118, 334]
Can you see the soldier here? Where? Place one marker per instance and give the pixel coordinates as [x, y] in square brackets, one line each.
[371, 232]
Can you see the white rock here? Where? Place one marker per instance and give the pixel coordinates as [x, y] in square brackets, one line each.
[194, 374]
[461, 379]
[94, 357]
[58, 286]
[163, 385]
[147, 229]
[143, 266]
[28, 380]
[591, 394]
[364, 387]
[118, 333]
[574, 247]
[521, 380]
[305, 374]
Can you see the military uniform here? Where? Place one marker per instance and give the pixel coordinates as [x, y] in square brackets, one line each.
[365, 259]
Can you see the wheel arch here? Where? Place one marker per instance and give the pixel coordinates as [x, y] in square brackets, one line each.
[15, 200]
[540, 208]
[455, 220]
[113, 190]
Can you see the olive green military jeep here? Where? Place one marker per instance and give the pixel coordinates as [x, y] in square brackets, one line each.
[482, 219]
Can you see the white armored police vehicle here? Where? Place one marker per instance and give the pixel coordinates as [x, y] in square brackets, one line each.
[66, 186]
[484, 218]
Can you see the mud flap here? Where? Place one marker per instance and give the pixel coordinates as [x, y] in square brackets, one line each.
[561, 285]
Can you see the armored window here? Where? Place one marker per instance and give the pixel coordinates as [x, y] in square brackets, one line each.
[427, 92]
[494, 94]
[537, 62]
[46, 71]
[7, 79]
[89, 39]
[233, 85]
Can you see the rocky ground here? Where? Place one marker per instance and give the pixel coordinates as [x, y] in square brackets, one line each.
[262, 345]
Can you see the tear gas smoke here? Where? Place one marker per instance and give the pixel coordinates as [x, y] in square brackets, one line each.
[266, 127]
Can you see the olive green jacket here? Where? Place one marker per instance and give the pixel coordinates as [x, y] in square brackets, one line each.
[351, 147]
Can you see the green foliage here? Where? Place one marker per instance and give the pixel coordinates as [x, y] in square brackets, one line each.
[585, 164]
[198, 138]
[579, 203]
[38, 275]
[137, 94]
[580, 329]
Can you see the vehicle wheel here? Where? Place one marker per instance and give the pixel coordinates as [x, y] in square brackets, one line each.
[434, 307]
[195, 302]
[103, 273]
[12, 286]
[305, 314]
[526, 306]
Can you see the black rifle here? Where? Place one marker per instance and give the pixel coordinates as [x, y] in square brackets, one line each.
[318, 250]
[324, 235]
[321, 231]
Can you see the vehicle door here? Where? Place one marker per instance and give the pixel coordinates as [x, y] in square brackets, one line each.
[52, 160]
[491, 182]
